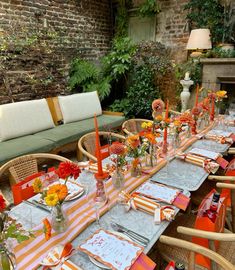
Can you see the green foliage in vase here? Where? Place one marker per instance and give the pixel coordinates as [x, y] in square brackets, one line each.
[149, 8]
[207, 14]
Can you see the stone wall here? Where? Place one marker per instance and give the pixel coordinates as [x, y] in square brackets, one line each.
[64, 29]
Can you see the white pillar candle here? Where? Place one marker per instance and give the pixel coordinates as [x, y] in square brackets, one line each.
[187, 76]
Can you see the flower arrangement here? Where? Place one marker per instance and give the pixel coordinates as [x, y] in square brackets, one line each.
[158, 107]
[11, 229]
[148, 135]
[55, 194]
[118, 152]
[136, 150]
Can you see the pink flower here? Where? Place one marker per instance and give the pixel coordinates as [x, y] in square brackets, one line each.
[158, 106]
[117, 148]
[196, 111]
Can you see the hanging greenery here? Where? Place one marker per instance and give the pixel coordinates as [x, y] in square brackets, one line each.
[149, 8]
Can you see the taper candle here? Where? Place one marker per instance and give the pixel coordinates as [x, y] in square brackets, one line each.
[97, 146]
[197, 93]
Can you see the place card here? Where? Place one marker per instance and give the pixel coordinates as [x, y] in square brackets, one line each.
[158, 191]
[111, 250]
[204, 153]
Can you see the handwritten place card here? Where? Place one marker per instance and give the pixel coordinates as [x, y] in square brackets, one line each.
[111, 250]
[218, 132]
[158, 191]
[204, 153]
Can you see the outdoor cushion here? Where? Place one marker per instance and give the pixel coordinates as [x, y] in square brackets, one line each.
[71, 132]
[23, 145]
[24, 118]
[79, 106]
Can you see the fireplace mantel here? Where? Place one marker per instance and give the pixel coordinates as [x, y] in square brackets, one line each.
[216, 71]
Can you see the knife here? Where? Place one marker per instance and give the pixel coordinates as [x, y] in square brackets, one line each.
[133, 234]
[37, 205]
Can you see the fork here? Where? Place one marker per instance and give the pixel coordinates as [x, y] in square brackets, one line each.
[134, 236]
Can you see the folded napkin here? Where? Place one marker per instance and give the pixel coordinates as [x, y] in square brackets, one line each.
[138, 202]
[57, 258]
[219, 139]
[207, 164]
[211, 155]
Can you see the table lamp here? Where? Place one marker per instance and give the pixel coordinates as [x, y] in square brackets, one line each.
[198, 41]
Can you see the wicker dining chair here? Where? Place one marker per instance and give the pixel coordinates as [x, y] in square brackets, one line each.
[133, 126]
[24, 166]
[191, 249]
[86, 144]
[187, 221]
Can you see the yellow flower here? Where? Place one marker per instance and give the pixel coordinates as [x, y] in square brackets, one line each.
[221, 94]
[146, 125]
[177, 123]
[37, 185]
[51, 199]
[159, 118]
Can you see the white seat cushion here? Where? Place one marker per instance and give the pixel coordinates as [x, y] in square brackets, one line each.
[79, 106]
[24, 118]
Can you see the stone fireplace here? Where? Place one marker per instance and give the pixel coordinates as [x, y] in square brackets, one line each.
[219, 73]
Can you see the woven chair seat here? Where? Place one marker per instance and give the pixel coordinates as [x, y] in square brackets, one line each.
[226, 249]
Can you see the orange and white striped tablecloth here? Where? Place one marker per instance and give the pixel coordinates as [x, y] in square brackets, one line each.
[80, 214]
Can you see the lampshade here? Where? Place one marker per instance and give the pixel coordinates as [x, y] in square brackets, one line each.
[199, 39]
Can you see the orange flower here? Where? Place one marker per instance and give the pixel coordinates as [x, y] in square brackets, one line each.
[159, 118]
[59, 189]
[221, 94]
[46, 228]
[133, 141]
[37, 185]
[167, 121]
[135, 162]
[150, 137]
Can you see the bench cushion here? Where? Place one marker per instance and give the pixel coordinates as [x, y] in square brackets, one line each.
[24, 118]
[22, 146]
[71, 132]
[79, 106]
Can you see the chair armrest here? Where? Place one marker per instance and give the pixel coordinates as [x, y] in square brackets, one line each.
[228, 237]
[225, 185]
[113, 113]
[220, 260]
[221, 178]
[231, 150]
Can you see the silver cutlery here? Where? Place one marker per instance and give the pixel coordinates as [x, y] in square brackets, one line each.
[133, 235]
[38, 205]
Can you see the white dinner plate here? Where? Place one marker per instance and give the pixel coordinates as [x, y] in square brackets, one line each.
[101, 265]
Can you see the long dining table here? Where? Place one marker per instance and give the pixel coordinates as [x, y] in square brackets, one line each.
[81, 214]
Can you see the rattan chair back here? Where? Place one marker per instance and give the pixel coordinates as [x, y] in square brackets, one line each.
[133, 126]
[86, 144]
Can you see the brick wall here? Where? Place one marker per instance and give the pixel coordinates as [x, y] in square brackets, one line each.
[171, 26]
[82, 27]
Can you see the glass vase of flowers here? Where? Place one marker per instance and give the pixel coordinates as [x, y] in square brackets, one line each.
[11, 229]
[176, 128]
[136, 151]
[118, 153]
[148, 135]
[55, 194]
